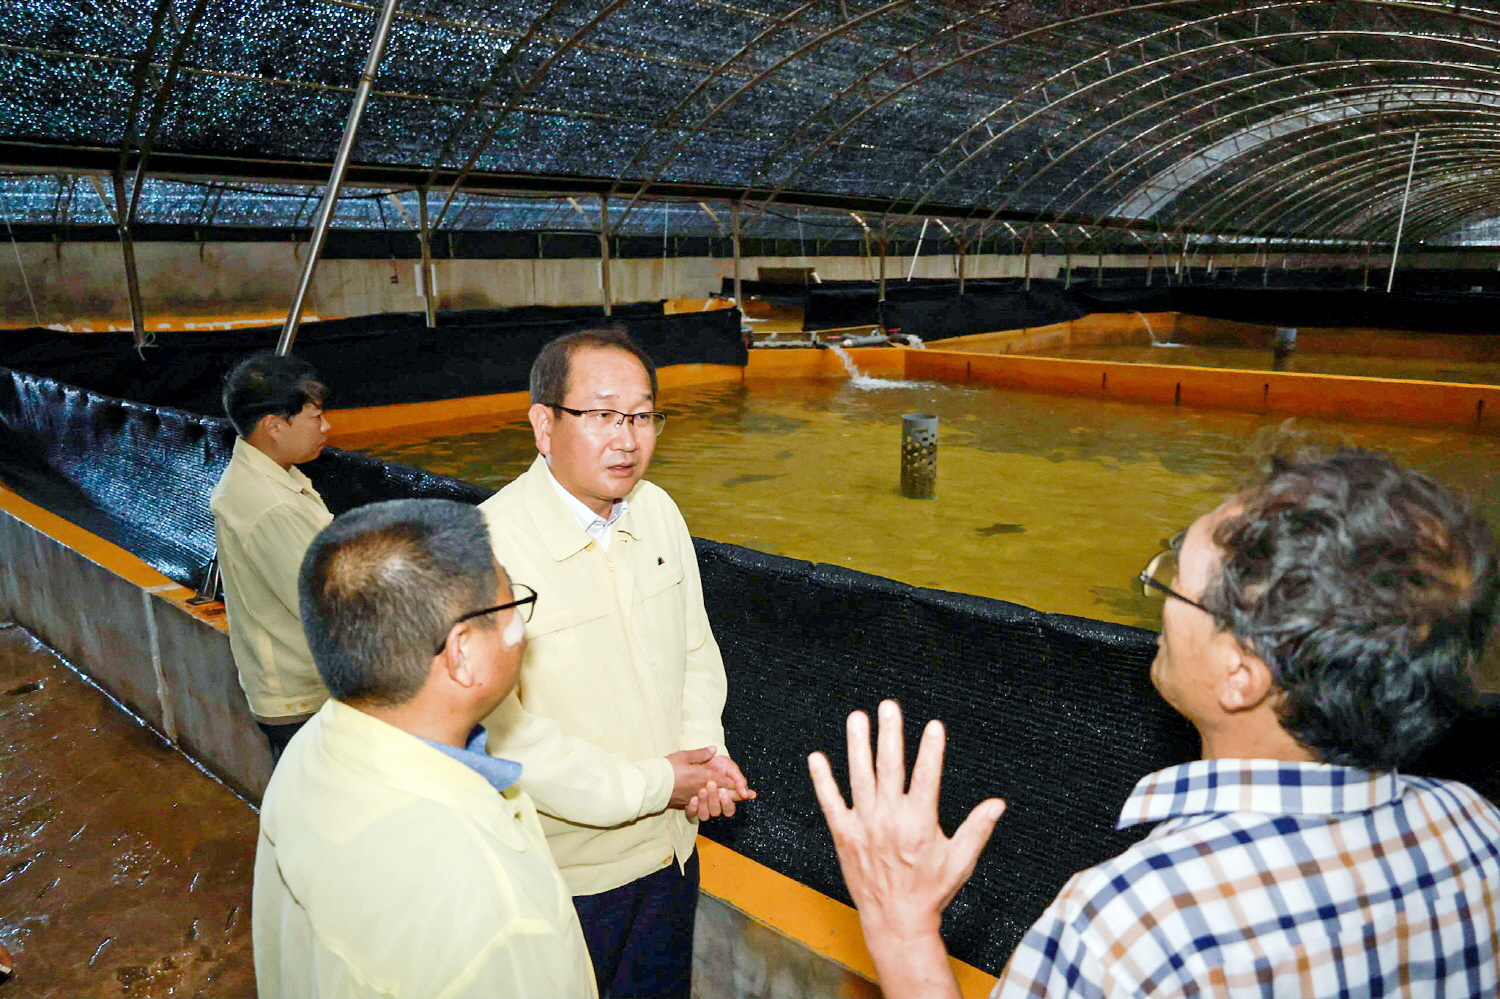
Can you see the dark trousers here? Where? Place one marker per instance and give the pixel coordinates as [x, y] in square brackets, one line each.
[640, 935]
[279, 735]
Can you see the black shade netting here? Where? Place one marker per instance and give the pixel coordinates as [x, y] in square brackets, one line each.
[368, 360]
[1056, 714]
[140, 476]
[934, 310]
[983, 310]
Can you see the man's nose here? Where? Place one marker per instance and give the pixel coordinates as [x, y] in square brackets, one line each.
[624, 437]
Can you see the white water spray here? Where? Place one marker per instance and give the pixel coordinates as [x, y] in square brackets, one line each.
[1152, 334]
[860, 380]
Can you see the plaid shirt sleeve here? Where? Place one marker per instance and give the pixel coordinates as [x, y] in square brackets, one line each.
[1281, 880]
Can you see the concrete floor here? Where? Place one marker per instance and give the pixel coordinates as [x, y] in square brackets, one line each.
[126, 871]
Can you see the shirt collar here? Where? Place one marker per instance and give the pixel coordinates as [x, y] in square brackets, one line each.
[589, 521]
[500, 772]
[1273, 787]
[291, 478]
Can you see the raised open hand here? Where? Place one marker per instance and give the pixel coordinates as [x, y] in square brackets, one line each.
[899, 866]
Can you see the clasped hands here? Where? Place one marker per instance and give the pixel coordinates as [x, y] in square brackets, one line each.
[705, 784]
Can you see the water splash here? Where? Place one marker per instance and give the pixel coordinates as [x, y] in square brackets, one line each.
[1152, 334]
[860, 380]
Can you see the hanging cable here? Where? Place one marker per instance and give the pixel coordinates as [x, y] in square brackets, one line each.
[22, 267]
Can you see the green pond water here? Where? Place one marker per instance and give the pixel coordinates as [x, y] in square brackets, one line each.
[1050, 501]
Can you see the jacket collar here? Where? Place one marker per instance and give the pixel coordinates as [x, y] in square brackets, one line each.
[386, 754]
[259, 462]
[555, 523]
[1269, 787]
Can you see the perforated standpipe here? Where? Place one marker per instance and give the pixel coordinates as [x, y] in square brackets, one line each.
[919, 455]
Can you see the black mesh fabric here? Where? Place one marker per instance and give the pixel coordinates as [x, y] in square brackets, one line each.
[1056, 714]
[140, 475]
[368, 360]
[979, 311]
[934, 310]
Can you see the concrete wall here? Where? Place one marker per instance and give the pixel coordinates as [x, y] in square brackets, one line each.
[132, 631]
[85, 282]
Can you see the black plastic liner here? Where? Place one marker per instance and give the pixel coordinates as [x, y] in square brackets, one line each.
[934, 310]
[937, 318]
[368, 360]
[1054, 713]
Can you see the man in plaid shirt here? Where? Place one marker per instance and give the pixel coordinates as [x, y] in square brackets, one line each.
[1320, 630]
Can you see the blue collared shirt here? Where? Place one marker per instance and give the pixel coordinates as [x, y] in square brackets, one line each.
[501, 773]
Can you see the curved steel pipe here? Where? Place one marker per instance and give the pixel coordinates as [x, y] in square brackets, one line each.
[336, 181]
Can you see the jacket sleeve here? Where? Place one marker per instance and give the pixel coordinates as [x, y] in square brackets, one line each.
[572, 779]
[704, 685]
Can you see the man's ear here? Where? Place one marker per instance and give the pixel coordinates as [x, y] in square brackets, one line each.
[454, 660]
[1247, 682]
[268, 424]
[541, 425]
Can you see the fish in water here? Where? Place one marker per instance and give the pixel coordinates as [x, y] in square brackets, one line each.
[740, 480]
[994, 529]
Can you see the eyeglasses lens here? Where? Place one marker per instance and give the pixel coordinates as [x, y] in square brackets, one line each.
[605, 421]
[1162, 570]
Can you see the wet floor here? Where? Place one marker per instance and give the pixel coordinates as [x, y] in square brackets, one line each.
[124, 870]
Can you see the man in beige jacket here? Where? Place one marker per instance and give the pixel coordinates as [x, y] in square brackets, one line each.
[265, 513]
[396, 857]
[616, 721]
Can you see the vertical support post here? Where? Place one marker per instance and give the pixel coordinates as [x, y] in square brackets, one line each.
[915, 253]
[604, 285]
[1411, 168]
[1365, 285]
[963, 253]
[1067, 265]
[127, 253]
[734, 230]
[429, 300]
[336, 179]
[1028, 258]
[882, 257]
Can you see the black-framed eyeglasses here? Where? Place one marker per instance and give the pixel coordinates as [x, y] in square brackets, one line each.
[523, 607]
[603, 421]
[1156, 578]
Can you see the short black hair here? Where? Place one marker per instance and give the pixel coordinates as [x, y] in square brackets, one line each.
[549, 372]
[381, 586]
[1369, 591]
[268, 384]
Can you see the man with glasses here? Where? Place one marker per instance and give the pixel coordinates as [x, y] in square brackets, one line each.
[1320, 630]
[396, 857]
[616, 721]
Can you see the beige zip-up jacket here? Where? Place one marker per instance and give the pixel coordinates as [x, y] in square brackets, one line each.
[385, 868]
[621, 669]
[264, 519]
